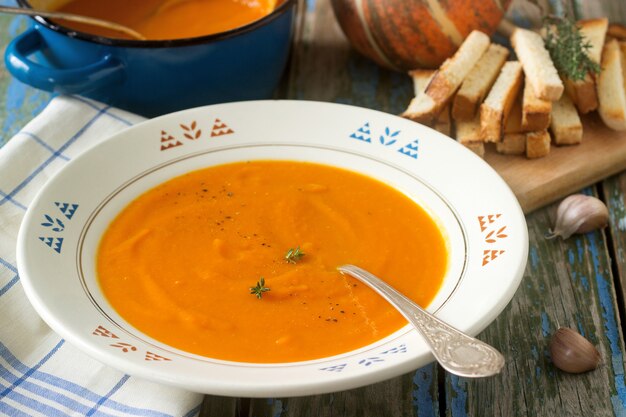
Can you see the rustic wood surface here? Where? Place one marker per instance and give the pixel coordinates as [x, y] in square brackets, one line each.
[566, 284]
[577, 283]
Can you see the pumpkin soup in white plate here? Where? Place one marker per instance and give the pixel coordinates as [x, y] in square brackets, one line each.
[483, 229]
[238, 261]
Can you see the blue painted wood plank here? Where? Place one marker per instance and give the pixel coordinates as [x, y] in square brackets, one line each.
[614, 190]
[19, 103]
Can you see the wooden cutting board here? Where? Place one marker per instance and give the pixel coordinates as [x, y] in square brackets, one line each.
[567, 169]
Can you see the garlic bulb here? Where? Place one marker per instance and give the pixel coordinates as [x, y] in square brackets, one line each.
[571, 352]
[579, 213]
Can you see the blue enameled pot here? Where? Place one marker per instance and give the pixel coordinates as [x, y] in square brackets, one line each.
[156, 77]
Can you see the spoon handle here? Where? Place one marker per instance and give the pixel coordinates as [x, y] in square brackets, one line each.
[74, 18]
[457, 352]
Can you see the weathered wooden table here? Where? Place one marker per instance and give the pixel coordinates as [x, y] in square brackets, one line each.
[576, 283]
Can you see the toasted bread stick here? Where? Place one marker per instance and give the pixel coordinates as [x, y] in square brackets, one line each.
[611, 88]
[478, 82]
[538, 66]
[496, 107]
[448, 78]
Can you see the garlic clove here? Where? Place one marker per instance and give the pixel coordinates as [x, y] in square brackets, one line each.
[579, 213]
[572, 353]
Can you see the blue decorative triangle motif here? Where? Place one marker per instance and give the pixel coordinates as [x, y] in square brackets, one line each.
[68, 209]
[363, 133]
[410, 149]
[335, 368]
[54, 242]
[397, 349]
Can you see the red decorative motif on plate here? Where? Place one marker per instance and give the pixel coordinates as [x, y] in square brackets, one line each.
[126, 347]
[150, 356]
[191, 131]
[101, 331]
[493, 235]
[490, 255]
[168, 141]
[493, 231]
[220, 128]
[487, 220]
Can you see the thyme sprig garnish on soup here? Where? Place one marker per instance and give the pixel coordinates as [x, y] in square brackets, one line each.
[259, 289]
[293, 255]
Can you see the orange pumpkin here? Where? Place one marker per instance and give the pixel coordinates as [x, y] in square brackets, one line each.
[408, 34]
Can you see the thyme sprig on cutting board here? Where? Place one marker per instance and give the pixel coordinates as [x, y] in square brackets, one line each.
[568, 48]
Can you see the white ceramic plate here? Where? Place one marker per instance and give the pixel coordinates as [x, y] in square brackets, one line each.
[478, 213]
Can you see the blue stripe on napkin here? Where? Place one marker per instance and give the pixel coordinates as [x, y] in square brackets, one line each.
[11, 200]
[67, 386]
[55, 155]
[31, 370]
[10, 411]
[38, 140]
[12, 281]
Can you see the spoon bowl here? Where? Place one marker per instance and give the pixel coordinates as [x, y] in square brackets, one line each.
[455, 351]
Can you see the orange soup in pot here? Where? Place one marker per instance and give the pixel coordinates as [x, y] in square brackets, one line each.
[199, 262]
[168, 19]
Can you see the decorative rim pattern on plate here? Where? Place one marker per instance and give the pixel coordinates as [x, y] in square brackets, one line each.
[483, 222]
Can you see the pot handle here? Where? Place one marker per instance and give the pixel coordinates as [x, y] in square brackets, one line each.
[106, 71]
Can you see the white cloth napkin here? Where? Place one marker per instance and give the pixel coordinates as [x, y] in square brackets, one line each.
[40, 373]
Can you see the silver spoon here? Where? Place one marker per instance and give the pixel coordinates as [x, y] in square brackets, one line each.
[74, 18]
[457, 352]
